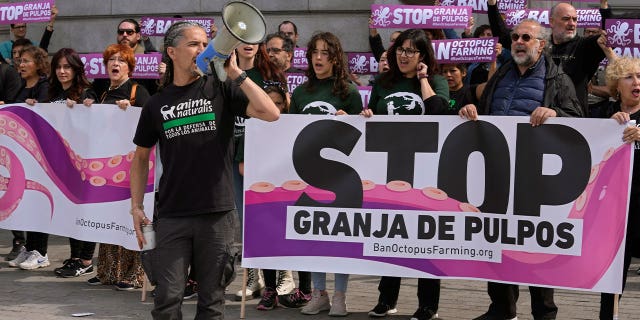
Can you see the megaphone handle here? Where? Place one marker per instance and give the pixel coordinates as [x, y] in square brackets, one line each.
[209, 53]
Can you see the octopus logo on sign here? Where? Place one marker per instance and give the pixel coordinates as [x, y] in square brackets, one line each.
[618, 34]
[148, 26]
[359, 64]
[448, 2]
[380, 17]
[514, 17]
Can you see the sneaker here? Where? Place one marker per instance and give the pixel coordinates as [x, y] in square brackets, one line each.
[317, 304]
[269, 300]
[382, 310]
[423, 313]
[296, 299]
[20, 258]
[75, 269]
[15, 251]
[338, 305]
[255, 283]
[190, 290]
[66, 264]
[35, 261]
[123, 286]
[284, 282]
[94, 281]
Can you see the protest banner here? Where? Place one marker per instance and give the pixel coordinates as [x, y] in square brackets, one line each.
[299, 60]
[362, 63]
[438, 196]
[294, 80]
[25, 12]
[429, 17]
[66, 171]
[465, 50]
[623, 33]
[481, 6]
[587, 18]
[146, 66]
[158, 26]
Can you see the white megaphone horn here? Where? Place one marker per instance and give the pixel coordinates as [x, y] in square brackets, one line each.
[242, 23]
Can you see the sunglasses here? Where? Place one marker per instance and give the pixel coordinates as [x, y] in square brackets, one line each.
[127, 31]
[525, 37]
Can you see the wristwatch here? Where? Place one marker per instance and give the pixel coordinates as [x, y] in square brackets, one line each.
[240, 79]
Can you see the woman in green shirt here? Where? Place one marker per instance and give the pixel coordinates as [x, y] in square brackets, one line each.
[412, 86]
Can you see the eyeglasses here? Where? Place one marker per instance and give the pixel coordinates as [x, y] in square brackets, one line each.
[274, 50]
[525, 37]
[128, 31]
[116, 59]
[407, 52]
[20, 27]
[25, 61]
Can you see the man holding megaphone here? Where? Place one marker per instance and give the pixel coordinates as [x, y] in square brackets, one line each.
[192, 119]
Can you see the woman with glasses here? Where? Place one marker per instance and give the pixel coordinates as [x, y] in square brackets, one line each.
[123, 92]
[33, 66]
[412, 86]
[117, 265]
[327, 92]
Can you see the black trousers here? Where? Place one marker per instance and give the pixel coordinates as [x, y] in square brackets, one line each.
[428, 292]
[504, 298]
[19, 237]
[37, 241]
[632, 247]
[82, 249]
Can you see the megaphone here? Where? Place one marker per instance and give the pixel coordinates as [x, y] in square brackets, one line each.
[243, 23]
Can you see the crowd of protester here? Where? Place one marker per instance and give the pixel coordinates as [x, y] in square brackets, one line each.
[535, 74]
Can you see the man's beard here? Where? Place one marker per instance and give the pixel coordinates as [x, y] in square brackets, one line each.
[528, 59]
[277, 63]
[128, 42]
[563, 37]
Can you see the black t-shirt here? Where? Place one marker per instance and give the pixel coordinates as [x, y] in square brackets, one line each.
[194, 127]
[124, 92]
[61, 97]
[460, 98]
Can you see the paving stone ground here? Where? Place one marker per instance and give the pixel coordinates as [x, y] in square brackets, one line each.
[40, 295]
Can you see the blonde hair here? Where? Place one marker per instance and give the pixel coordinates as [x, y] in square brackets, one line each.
[617, 69]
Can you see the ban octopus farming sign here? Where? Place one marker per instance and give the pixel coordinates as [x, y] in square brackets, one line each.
[431, 17]
[494, 199]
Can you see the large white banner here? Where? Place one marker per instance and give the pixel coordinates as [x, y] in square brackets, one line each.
[439, 196]
[65, 171]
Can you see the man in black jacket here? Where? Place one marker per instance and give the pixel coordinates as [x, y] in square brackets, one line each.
[531, 84]
[579, 56]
